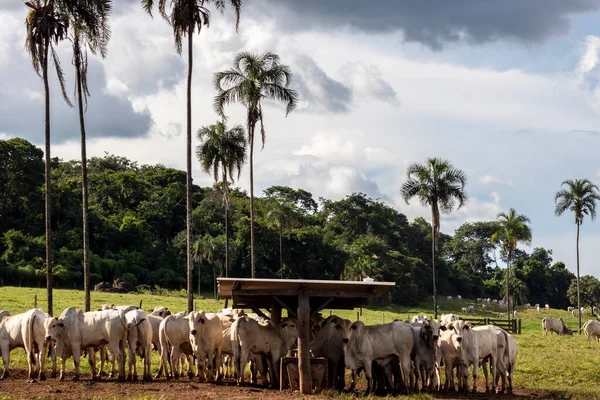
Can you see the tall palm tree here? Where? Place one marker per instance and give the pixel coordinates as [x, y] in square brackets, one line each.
[580, 196]
[282, 215]
[222, 152]
[211, 250]
[252, 79]
[439, 185]
[512, 228]
[46, 27]
[187, 17]
[89, 30]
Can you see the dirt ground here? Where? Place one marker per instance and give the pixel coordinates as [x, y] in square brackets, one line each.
[16, 386]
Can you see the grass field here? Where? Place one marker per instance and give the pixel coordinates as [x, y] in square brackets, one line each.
[562, 366]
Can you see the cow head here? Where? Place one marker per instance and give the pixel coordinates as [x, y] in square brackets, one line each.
[55, 332]
[426, 334]
[461, 328]
[3, 314]
[343, 326]
[107, 306]
[196, 320]
[160, 311]
[436, 327]
[351, 330]
[289, 331]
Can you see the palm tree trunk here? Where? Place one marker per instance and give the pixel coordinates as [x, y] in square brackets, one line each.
[84, 181]
[190, 293]
[214, 281]
[433, 248]
[251, 134]
[280, 251]
[578, 296]
[508, 284]
[226, 222]
[48, 193]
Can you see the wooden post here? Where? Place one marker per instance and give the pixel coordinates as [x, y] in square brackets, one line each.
[357, 316]
[330, 312]
[303, 339]
[226, 302]
[141, 304]
[382, 318]
[519, 326]
[361, 311]
[275, 312]
[35, 301]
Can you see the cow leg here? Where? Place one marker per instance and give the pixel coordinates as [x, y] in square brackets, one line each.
[131, 365]
[190, 362]
[244, 358]
[484, 366]
[475, 371]
[77, 361]
[52, 353]
[92, 362]
[41, 358]
[63, 362]
[405, 363]
[5, 350]
[216, 362]
[175, 361]
[493, 369]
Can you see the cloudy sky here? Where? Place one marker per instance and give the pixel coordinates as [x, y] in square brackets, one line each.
[509, 91]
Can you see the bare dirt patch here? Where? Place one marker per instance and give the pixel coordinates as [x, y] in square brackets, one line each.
[16, 386]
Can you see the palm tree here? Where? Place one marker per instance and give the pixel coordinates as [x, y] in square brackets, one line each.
[222, 151]
[210, 249]
[512, 228]
[580, 196]
[252, 79]
[46, 27]
[187, 16]
[282, 215]
[89, 31]
[438, 184]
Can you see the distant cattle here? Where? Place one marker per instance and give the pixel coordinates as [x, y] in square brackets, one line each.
[557, 326]
[449, 298]
[591, 329]
[515, 314]
[102, 286]
[448, 318]
[547, 306]
[419, 319]
[570, 309]
[459, 297]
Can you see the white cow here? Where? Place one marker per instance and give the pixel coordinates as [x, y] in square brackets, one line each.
[537, 307]
[463, 310]
[27, 331]
[557, 326]
[470, 309]
[206, 338]
[447, 318]
[269, 340]
[450, 354]
[365, 344]
[501, 315]
[487, 341]
[174, 338]
[591, 329]
[419, 319]
[140, 341]
[507, 358]
[449, 298]
[459, 297]
[547, 306]
[75, 331]
[570, 309]
[155, 317]
[515, 314]
[424, 352]
[469, 349]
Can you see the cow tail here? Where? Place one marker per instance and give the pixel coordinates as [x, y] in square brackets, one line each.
[235, 347]
[163, 338]
[507, 353]
[29, 341]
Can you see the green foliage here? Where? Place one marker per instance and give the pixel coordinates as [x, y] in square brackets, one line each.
[589, 287]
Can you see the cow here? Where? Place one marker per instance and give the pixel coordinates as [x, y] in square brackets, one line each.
[507, 358]
[139, 339]
[102, 286]
[447, 318]
[450, 355]
[269, 340]
[591, 330]
[419, 319]
[206, 338]
[557, 326]
[465, 342]
[501, 315]
[27, 331]
[155, 317]
[365, 344]
[537, 307]
[570, 309]
[515, 314]
[487, 342]
[174, 338]
[459, 297]
[75, 331]
[470, 309]
[449, 298]
[547, 306]
[123, 285]
[463, 310]
[329, 344]
[423, 354]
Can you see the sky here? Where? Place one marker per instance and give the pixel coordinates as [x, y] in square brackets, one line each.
[508, 91]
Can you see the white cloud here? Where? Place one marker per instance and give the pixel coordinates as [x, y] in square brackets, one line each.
[491, 180]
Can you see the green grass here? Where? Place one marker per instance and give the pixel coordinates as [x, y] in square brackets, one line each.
[560, 366]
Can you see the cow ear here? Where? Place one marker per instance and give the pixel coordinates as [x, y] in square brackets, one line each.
[151, 310]
[61, 324]
[186, 318]
[354, 327]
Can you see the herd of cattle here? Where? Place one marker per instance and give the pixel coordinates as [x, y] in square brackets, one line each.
[396, 355]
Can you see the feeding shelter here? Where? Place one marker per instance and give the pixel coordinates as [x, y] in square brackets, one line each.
[302, 299]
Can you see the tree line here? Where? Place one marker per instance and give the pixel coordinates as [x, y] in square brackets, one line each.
[138, 232]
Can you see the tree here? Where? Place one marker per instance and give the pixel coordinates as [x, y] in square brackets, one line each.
[512, 228]
[212, 250]
[586, 292]
[252, 79]
[222, 151]
[89, 31]
[46, 27]
[439, 185]
[187, 16]
[282, 215]
[580, 197]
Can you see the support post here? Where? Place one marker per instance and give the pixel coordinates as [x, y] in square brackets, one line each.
[275, 312]
[303, 339]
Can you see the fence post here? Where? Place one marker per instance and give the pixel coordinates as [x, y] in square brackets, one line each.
[382, 318]
[361, 311]
[35, 301]
[357, 316]
[519, 326]
[141, 304]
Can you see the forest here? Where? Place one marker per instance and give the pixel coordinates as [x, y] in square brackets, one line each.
[137, 233]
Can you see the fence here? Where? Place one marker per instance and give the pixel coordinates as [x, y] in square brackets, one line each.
[512, 326]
